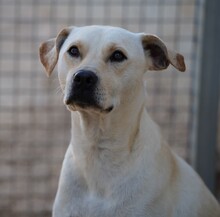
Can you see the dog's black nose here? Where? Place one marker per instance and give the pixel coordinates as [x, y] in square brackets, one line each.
[85, 79]
[82, 89]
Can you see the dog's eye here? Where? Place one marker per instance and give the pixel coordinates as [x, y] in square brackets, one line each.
[117, 56]
[74, 52]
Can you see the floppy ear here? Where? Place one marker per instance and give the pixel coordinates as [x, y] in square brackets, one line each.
[49, 50]
[158, 56]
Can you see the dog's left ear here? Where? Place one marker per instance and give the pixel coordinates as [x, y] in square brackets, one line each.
[49, 50]
[158, 56]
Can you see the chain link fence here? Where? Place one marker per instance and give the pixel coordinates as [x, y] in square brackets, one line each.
[34, 124]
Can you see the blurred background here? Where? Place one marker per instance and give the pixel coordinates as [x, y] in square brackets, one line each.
[35, 125]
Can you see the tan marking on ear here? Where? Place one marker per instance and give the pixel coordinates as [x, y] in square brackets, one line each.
[48, 55]
[181, 62]
[177, 60]
[49, 50]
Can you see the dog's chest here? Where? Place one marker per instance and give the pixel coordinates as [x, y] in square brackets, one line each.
[118, 196]
[93, 206]
[82, 203]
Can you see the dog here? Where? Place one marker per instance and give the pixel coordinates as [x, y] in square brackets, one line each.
[117, 163]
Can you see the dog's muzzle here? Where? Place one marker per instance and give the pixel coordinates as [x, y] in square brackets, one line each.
[82, 89]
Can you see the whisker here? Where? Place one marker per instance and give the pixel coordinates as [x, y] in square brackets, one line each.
[59, 90]
[59, 84]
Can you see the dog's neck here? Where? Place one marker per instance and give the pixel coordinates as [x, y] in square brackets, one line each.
[114, 131]
[96, 130]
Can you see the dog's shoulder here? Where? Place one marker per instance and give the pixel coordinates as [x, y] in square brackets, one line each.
[190, 193]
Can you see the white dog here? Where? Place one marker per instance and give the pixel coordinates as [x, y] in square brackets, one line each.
[117, 164]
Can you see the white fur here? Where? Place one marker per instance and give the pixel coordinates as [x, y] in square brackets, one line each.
[117, 163]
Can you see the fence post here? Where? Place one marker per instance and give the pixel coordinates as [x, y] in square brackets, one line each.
[208, 98]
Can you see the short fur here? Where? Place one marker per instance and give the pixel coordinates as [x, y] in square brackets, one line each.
[117, 163]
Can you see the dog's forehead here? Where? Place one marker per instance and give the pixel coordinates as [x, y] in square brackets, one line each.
[102, 36]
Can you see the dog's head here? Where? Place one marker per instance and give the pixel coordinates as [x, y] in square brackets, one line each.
[98, 66]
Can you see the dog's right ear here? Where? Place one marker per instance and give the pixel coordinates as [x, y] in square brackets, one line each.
[49, 50]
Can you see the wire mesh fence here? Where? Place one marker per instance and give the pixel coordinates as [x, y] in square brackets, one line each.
[34, 124]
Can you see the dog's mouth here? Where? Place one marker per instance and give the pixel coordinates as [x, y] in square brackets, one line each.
[81, 106]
